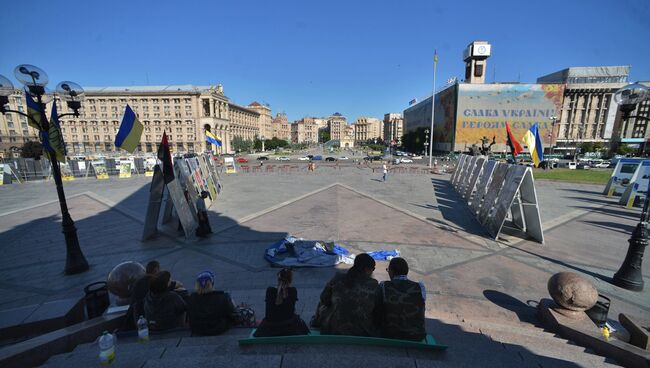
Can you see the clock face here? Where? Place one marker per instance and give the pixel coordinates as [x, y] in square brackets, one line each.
[481, 49]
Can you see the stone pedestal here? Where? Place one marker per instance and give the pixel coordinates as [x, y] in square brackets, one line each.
[572, 293]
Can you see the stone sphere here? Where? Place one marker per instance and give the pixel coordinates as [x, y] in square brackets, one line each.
[122, 277]
[572, 291]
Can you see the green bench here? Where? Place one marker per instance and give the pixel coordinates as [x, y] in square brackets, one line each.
[428, 343]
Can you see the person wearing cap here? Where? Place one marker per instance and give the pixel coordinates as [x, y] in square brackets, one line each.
[211, 312]
[202, 213]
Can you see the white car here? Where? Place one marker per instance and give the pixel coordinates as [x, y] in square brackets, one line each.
[303, 158]
[417, 157]
[406, 161]
[603, 165]
[343, 158]
[282, 158]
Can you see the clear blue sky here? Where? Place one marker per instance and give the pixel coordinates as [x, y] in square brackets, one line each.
[361, 58]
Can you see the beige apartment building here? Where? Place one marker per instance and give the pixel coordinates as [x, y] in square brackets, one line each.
[281, 127]
[14, 130]
[183, 111]
[265, 119]
[393, 127]
[368, 128]
[304, 130]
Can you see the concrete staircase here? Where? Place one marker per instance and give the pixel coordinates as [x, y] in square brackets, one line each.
[472, 343]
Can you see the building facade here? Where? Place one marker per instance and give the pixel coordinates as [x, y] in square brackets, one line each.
[589, 112]
[304, 130]
[393, 127]
[265, 119]
[14, 129]
[368, 128]
[281, 127]
[184, 112]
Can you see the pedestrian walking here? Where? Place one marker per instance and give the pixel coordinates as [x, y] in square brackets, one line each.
[385, 172]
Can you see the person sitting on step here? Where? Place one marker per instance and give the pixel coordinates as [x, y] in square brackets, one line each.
[401, 304]
[164, 309]
[347, 303]
[211, 312]
[281, 318]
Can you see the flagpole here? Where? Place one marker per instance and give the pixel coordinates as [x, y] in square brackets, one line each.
[433, 105]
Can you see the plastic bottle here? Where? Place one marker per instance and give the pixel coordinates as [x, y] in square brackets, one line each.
[106, 348]
[143, 330]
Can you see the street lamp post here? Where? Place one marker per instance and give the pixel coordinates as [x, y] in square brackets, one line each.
[629, 276]
[35, 80]
[552, 134]
[426, 142]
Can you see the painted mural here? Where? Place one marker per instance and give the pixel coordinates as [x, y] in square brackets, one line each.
[484, 109]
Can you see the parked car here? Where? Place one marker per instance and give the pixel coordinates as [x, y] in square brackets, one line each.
[282, 158]
[330, 158]
[317, 158]
[571, 165]
[417, 157]
[242, 160]
[343, 158]
[396, 161]
[583, 166]
[310, 157]
[602, 165]
[304, 158]
[407, 161]
[263, 158]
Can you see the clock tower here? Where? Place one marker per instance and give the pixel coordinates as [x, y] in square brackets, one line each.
[475, 57]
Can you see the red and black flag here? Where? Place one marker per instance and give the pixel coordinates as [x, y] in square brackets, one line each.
[515, 147]
[166, 157]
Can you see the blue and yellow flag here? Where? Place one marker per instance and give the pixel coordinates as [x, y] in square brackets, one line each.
[130, 132]
[534, 143]
[212, 138]
[55, 138]
[34, 111]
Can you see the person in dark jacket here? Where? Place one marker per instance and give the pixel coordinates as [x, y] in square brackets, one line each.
[211, 312]
[347, 303]
[402, 304]
[281, 318]
[164, 309]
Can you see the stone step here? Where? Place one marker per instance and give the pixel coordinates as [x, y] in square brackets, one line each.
[132, 358]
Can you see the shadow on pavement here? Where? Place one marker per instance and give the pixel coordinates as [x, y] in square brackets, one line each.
[454, 208]
[525, 312]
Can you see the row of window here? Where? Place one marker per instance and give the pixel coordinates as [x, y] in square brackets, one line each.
[133, 101]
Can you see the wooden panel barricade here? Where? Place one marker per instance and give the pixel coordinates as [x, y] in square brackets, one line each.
[473, 177]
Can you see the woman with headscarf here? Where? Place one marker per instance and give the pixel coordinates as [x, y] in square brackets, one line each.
[281, 318]
[211, 312]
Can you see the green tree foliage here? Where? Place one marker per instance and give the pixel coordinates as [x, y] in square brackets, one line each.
[624, 149]
[32, 150]
[324, 135]
[413, 141]
[270, 144]
[242, 145]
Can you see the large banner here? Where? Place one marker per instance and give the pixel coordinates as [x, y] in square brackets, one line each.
[100, 169]
[484, 109]
[66, 172]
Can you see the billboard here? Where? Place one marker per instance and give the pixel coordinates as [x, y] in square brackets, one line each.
[484, 109]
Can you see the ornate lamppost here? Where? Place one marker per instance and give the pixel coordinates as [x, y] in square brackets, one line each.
[35, 80]
[629, 276]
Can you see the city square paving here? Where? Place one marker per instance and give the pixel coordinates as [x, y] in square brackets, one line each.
[467, 274]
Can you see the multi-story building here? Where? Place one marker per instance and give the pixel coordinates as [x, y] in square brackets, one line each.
[393, 127]
[304, 130]
[14, 130]
[368, 128]
[281, 127]
[589, 112]
[184, 112]
[265, 119]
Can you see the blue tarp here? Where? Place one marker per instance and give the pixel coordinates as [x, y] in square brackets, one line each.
[293, 252]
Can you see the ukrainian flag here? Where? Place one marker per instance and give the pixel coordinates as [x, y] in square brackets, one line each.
[56, 143]
[34, 111]
[128, 137]
[534, 143]
[212, 138]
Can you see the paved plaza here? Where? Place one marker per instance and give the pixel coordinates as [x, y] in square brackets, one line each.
[468, 275]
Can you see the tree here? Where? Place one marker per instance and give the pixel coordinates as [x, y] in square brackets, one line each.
[241, 145]
[587, 147]
[624, 149]
[324, 135]
[32, 150]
